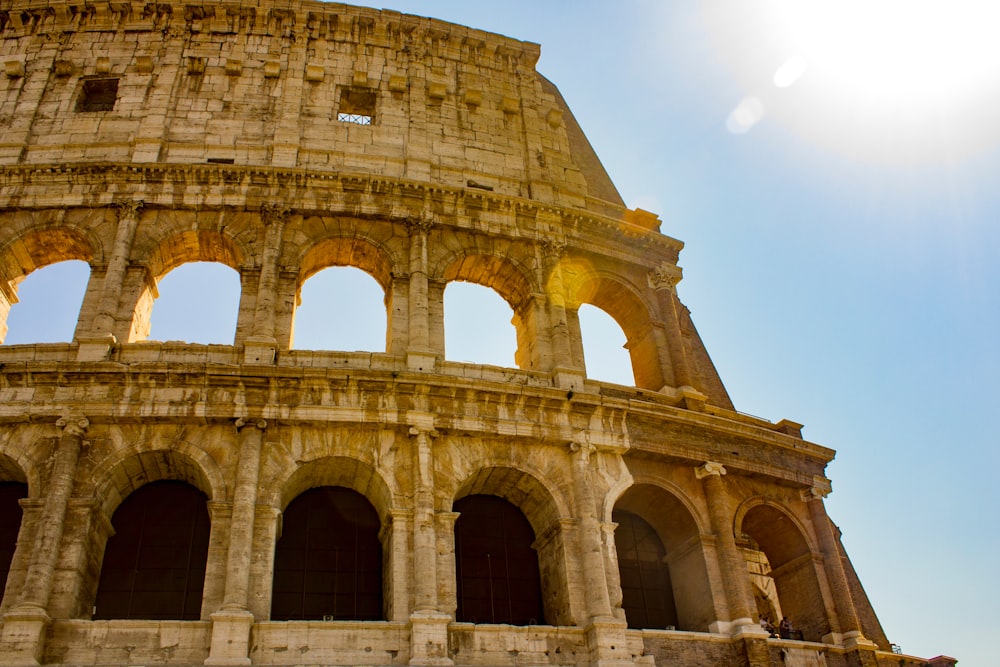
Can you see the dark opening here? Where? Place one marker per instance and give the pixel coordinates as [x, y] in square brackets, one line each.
[221, 160]
[647, 594]
[328, 561]
[98, 95]
[357, 105]
[497, 568]
[10, 524]
[154, 564]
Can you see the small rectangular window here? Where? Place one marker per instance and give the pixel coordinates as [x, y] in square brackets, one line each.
[98, 95]
[357, 105]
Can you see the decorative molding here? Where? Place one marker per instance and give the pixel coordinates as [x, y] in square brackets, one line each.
[820, 489]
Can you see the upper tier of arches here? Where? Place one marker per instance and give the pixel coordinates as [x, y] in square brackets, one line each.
[130, 248]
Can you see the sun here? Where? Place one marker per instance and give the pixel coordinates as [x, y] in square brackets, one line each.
[884, 80]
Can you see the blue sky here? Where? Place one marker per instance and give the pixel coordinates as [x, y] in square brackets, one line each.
[840, 260]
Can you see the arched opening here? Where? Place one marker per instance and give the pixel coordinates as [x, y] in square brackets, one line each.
[48, 305]
[496, 564]
[477, 325]
[341, 308]
[10, 524]
[154, 564]
[198, 303]
[328, 560]
[604, 351]
[784, 573]
[647, 594]
[661, 562]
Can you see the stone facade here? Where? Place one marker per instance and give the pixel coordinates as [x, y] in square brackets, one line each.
[281, 138]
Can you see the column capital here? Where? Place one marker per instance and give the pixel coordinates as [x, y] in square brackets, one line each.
[664, 277]
[820, 489]
[127, 209]
[710, 469]
[243, 421]
[76, 427]
[582, 448]
[272, 212]
[553, 248]
[430, 432]
[418, 224]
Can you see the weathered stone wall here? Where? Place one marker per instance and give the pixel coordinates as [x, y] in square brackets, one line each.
[141, 137]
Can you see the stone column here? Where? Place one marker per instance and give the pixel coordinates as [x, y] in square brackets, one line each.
[664, 280]
[231, 624]
[735, 578]
[420, 350]
[428, 625]
[833, 566]
[261, 346]
[568, 374]
[606, 639]
[128, 220]
[615, 594]
[591, 552]
[24, 626]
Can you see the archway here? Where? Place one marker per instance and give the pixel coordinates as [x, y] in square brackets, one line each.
[11, 494]
[776, 549]
[198, 302]
[328, 560]
[477, 324]
[661, 561]
[48, 306]
[496, 564]
[154, 564]
[324, 299]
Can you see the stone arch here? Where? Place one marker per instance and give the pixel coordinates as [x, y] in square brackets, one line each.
[501, 274]
[195, 245]
[118, 477]
[790, 560]
[37, 248]
[684, 569]
[541, 506]
[350, 473]
[12, 469]
[362, 253]
[626, 305]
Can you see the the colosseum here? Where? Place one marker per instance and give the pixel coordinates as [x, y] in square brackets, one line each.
[251, 503]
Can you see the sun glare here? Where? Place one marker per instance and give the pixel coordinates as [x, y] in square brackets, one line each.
[884, 80]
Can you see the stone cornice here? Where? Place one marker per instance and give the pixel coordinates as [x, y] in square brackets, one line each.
[330, 21]
[497, 408]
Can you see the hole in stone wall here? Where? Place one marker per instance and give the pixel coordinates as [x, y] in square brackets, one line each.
[98, 95]
[357, 105]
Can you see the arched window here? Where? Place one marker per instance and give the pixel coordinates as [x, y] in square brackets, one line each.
[198, 303]
[328, 561]
[604, 347]
[497, 568]
[477, 325]
[342, 308]
[48, 306]
[10, 523]
[154, 564]
[647, 594]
